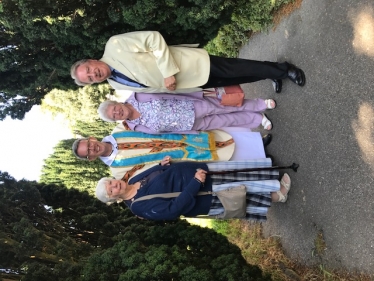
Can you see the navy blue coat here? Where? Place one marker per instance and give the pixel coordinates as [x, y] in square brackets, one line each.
[178, 177]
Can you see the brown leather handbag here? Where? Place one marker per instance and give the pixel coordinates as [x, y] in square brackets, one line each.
[229, 95]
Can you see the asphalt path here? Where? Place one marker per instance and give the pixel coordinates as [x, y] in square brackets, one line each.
[325, 126]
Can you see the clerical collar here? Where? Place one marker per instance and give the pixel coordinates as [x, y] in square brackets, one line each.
[108, 160]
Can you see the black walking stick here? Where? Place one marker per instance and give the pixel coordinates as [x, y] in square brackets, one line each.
[294, 167]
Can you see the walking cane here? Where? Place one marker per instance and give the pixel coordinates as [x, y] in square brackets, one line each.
[294, 167]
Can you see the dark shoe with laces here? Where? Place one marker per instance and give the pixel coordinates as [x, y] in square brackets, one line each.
[266, 139]
[277, 85]
[296, 75]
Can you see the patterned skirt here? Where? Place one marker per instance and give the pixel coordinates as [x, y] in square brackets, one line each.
[259, 185]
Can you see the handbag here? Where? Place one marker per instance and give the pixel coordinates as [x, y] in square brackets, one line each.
[233, 200]
[229, 95]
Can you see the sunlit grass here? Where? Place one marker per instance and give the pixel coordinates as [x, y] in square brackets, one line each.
[268, 254]
[200, 222]
[264, 252]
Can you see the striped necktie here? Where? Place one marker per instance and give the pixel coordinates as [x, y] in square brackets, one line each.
[123, 79]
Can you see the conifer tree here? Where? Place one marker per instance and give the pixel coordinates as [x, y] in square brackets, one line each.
[29, 233]
[49, 232]
[80, 104]
[63, 168]
[41, 39]
[172, 251]
[79, 109]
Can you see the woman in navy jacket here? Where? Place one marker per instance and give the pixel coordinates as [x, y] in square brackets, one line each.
[189, 178]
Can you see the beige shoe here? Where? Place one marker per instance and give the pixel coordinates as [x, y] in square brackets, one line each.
[266, 123]
[282, 197]
[270, 104]
[286, 182]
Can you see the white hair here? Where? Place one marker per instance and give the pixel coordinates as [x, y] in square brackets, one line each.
[102, 110]
[101, 193]
[73, 72]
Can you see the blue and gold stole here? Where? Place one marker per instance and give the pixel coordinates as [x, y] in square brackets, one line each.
[196, 147]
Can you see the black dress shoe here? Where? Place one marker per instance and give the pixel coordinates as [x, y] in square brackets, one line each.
[277, 85]
[266, 139]
[296, 75]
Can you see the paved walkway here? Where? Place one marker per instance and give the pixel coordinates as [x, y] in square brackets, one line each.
[327, 127]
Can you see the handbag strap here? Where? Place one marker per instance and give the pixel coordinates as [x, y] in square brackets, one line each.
[171, 195]
[175, 194]
[167, 195]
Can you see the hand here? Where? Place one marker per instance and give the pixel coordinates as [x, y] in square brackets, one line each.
[170, 83]
[201, 175]
[166, 161]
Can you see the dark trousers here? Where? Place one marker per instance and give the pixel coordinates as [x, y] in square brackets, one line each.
[232, 71]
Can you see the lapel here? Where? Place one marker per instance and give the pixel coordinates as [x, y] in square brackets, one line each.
[117, 65]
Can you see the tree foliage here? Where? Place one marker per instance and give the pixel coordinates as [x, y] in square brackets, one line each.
[40, 39]
[175, 251]
[79, 108]
[29, 233]
[248, 16]
[63, 168]
[80, 104]
[49, 232]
